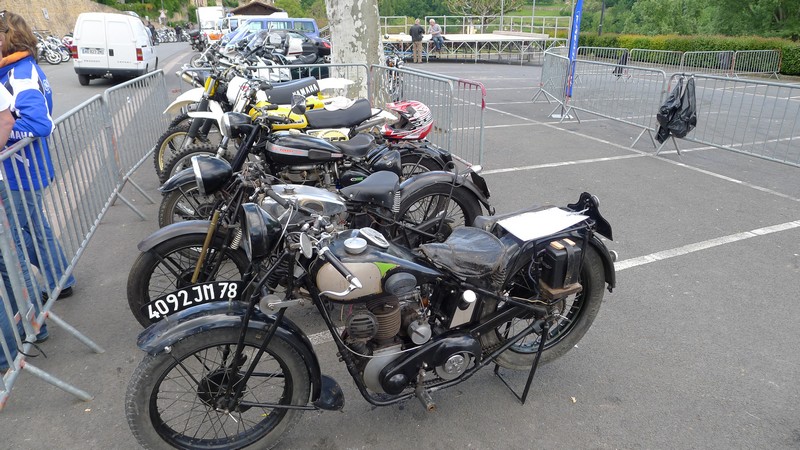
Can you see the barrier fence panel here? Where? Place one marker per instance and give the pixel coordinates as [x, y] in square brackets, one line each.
[133, 130]
[757, 62]
[759, 118]
[631, 97]
[714, 63]
[555, 70]
[666, 60]
[603, 54]
[457, 106]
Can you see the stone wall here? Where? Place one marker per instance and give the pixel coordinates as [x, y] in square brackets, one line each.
[62, 13]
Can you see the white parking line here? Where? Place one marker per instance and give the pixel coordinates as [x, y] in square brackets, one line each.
[691, 248]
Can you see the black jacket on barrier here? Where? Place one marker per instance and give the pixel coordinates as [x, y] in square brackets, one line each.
[677, 116]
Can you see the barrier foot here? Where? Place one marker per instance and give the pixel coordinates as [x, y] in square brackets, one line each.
[538, 93]
[141, 191]
[649, 133]
[83, 395]
[658, 150]
[129, 204]
[567, 115]
[73, 331]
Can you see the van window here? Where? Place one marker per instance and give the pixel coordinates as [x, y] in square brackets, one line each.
[304, 26]
[278, 25]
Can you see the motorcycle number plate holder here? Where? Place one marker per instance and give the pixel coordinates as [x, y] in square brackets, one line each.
[196, 294]
[374, 236]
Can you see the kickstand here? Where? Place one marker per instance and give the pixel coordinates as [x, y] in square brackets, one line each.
[545, 328]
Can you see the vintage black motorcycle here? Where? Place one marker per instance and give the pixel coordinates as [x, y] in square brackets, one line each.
[230, 370]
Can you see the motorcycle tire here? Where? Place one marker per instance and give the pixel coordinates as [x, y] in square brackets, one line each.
[415, 164]
[172, 141]
[52, 57]
[182, 159]
[169, 266]
[197, 61]
[419, 209]
[159, 399]
[185, 203]
[65, 55]
[578, 312]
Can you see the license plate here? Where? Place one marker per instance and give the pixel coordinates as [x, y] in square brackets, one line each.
[93, 51]
[196, 294]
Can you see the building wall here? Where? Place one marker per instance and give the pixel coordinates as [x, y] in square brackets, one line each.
[62, 13]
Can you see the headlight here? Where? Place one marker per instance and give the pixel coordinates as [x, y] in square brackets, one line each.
[232, 124]
[260, 231]
[210, 173]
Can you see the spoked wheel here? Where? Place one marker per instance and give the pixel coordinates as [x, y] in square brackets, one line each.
[65, 55]
[173, 140]
[52, 57]
[170, 265]
[185, 203]
[182, 399]
[431, 213]
[413, 164]
[576, 314]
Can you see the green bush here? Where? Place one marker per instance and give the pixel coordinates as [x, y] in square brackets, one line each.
[790, 51]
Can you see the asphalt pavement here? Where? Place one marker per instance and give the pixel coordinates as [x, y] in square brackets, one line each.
[696, 348]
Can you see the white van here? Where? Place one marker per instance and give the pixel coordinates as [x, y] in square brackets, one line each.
[111, 45]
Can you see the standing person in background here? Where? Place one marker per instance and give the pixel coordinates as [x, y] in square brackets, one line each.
[416, 31]
[436, 35]
[30, 171]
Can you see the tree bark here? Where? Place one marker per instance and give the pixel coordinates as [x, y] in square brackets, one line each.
[355, 38]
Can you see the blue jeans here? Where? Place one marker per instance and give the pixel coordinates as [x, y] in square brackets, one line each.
[438, 41]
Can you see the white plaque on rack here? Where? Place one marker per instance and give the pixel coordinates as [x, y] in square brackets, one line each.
[536, 224]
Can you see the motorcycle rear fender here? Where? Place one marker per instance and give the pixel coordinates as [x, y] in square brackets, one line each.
[411, 184]
[174, 230]
[185, 99]
[608, 261]
[155, 339]
[185, 176]
[439, 155]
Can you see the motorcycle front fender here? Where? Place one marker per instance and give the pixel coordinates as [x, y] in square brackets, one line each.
[187, 98]
[185, 176]
[418, 181]
[173, 230]
[157, 338]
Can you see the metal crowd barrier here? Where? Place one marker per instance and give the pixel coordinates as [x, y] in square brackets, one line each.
[555, 72]
[758, 118]
[666, 60]
[94, 149]
[715, 63]
[457, 106]
[628, 96]
[757, 62]
[603, 54]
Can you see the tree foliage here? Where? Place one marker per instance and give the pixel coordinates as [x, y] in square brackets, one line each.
[482, 7]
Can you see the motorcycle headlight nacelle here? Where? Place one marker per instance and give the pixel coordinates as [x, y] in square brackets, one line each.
[234, 124]
[210, 173]
[260, 231]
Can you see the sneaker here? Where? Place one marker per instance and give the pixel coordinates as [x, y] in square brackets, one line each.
[66, 292]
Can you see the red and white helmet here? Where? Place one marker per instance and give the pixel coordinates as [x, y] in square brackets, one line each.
[416, 121]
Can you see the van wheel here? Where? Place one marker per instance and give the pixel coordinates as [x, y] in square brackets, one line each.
[83, 80]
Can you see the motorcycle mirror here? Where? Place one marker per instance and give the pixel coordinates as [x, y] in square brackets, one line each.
[305, 245]
[298, 104]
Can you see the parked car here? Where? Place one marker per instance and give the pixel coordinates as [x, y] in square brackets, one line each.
[295, 44]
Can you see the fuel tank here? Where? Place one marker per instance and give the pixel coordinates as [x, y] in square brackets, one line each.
[374, 264]
[300, 149]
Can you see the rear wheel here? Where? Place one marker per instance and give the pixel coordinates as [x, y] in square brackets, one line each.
[431, 213]
[83, 80]
[169, 266]
[180, 399]
[577, 312]
[413, 164]
[65, 54]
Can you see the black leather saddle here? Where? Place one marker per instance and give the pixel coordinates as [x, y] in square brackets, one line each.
[281, 93]
[468, 252]
[378, 188]
[358, 147]
[358, 112]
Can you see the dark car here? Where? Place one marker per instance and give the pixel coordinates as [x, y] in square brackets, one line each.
[298, 43]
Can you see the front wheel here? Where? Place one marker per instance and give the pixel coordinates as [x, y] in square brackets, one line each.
[576, 314]
[180, 399]
[186, 203]
[173, 141]
[431, 213]
[169, 266]
[52, 57]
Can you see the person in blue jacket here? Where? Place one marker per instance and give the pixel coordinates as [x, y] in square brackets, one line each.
[31, 170]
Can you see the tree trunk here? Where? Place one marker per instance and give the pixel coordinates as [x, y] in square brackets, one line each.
[355, 38]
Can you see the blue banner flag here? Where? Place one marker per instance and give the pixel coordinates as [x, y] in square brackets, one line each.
[573, 42]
